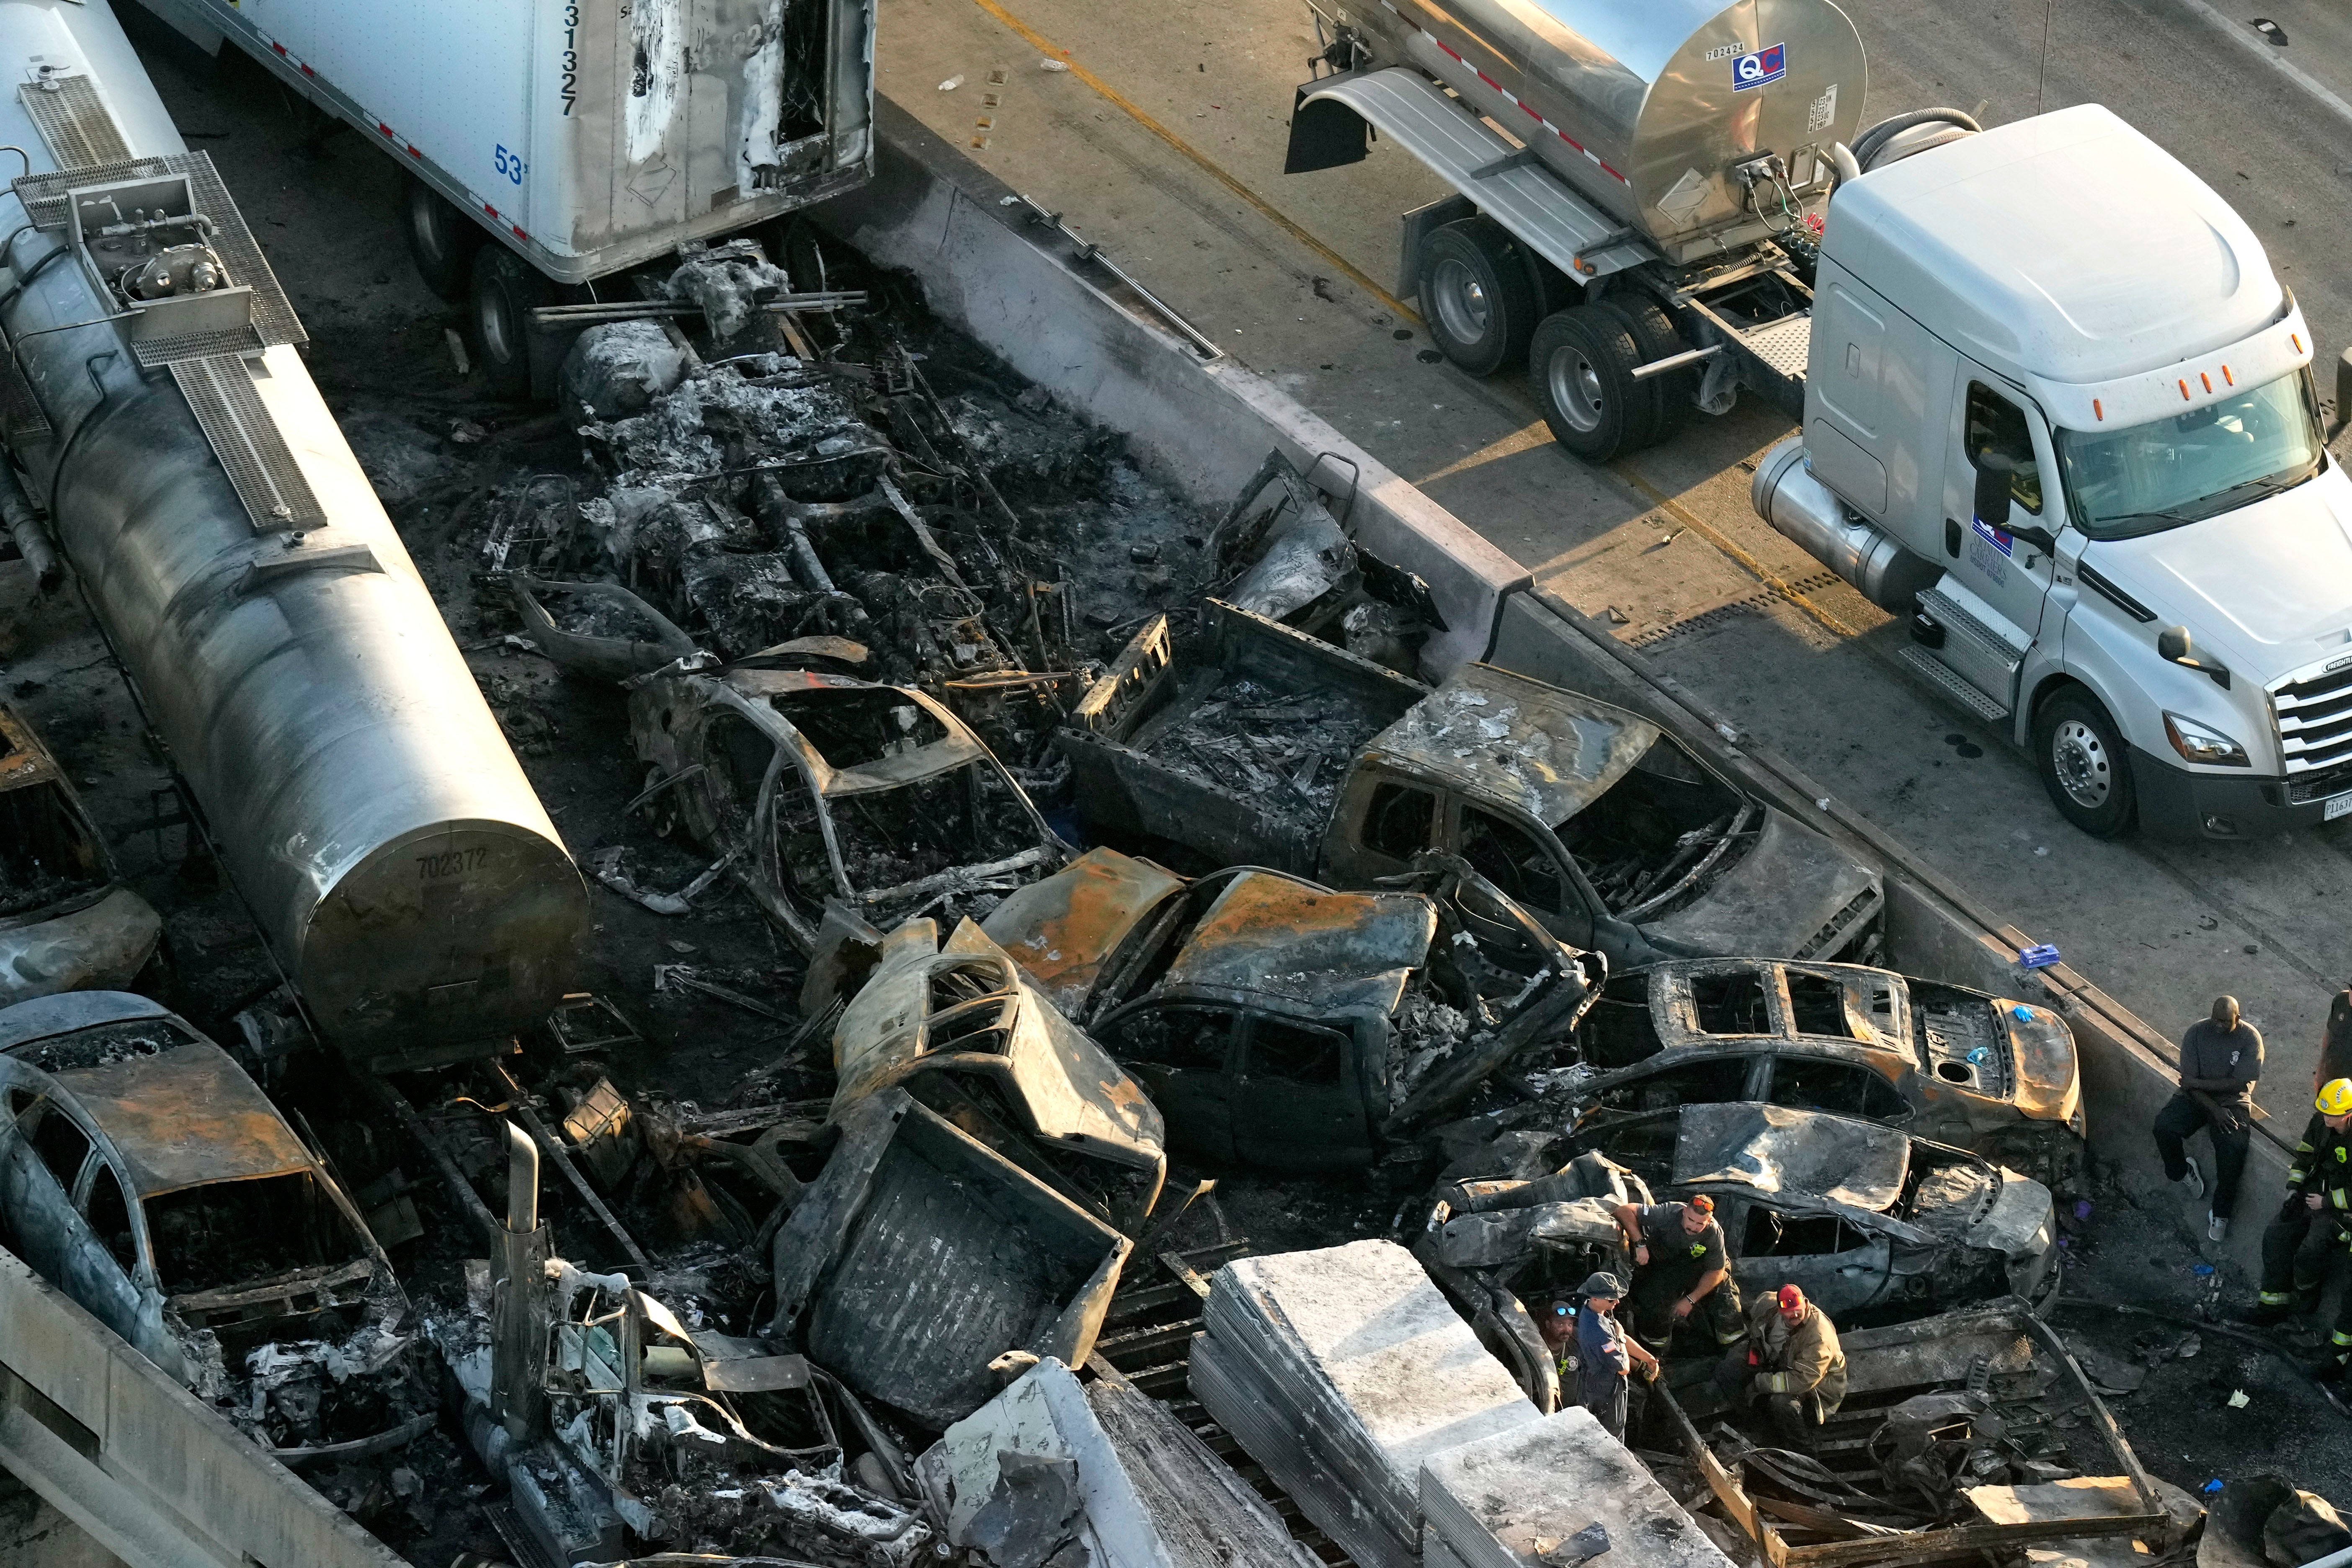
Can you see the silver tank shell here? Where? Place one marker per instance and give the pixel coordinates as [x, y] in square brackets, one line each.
[1651, 91]
[363, 796]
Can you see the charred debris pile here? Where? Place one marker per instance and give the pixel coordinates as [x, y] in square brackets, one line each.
[920, 1277]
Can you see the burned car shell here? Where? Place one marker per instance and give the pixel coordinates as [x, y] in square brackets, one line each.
[94, 934]
[1989, 1073]
[736, 800]
[1267, 1037]
[965, 1013]
[184, 1118]
[1492, 755]
[1260, 1009]
[1860, 1216]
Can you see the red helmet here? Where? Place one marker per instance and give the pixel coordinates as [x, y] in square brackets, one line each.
[1791, 1298]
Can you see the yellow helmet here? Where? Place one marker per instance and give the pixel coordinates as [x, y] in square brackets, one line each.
[2335, 1098]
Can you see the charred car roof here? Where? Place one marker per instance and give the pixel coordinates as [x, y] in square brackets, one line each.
[766, 695]
[1532, 747]
[185, 1118]
[1276, 935]
[967, 1005]
[1773, 1149]
[1063, 930]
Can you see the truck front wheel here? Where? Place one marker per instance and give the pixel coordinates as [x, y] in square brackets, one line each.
[1475, 295]
[1582, 363]
[505, 290]
[2083, 764]
[441, 240]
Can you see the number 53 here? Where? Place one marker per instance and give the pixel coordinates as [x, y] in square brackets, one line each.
[510, 166]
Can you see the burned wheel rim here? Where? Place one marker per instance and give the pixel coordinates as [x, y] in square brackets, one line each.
[490, 321]
[1575, 384]
[2079, 757]
[1462, 308]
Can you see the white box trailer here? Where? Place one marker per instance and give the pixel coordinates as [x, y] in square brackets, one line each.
[585, 136]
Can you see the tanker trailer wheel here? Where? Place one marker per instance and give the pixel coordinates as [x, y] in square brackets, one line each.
[1477, 296]
[1582, 363]
[505, 290]
[2084, 763]
[1654, 335]
[441, 240]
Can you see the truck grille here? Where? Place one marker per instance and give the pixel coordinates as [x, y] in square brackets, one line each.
[2314, 718]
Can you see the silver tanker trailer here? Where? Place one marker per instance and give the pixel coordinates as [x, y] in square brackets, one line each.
[1641, 231]
[361, 795]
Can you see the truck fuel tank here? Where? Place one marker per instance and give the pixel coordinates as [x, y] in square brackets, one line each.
[1646, 110]
[1786, 495]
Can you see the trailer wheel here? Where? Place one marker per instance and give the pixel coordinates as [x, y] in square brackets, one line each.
[441, 240]
[2083, 764]
[504, 289]
[1582, 363]
[1475, 295]
[1654, 335]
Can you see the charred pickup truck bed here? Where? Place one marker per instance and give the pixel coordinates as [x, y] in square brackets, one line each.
[1238, 756]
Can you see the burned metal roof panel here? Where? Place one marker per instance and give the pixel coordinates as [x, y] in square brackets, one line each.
[23, 758]
[1774, 1149]
[1063, 930]
[46, 1018]
[1279, 936]
[1547, 752]
[966, 1008]
[185, 1117]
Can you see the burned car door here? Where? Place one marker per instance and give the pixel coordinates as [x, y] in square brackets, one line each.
[1299, 1097]
[107, 1279]
[1528, 872]
[1824, 1083]
[46, 1154]
[1682, 1077]
[1184, 1058]
[1379, 826]
[1841, 1265]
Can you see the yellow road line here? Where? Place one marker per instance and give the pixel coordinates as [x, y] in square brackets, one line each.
[1263, 208]
[1756, 568]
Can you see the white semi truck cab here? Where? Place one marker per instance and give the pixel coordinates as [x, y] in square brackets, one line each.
[2059, 409]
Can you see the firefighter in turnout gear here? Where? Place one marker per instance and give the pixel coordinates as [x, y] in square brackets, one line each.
[2315, 1225]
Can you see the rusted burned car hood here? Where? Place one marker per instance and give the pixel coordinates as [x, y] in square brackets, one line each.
[1772, 1148]
[1787, 895]
[967, 1008]
[1276, 935]
[1547, 752]
[1063, 929]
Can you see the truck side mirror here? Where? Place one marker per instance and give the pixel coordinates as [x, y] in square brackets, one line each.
[2172, 647]
[1992, 491]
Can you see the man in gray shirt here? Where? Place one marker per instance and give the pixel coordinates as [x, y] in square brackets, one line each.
[2221, 1058]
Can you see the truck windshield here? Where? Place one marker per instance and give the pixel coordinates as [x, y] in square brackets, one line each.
[2148, 477]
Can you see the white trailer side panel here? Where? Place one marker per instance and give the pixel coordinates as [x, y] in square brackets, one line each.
[590, 135]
